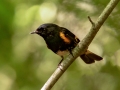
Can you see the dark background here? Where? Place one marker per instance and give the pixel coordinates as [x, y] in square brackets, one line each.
[25, 61]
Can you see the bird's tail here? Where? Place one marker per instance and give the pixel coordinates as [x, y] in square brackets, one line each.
[89, 57]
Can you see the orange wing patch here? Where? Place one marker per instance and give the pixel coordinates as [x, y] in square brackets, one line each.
[62, 35]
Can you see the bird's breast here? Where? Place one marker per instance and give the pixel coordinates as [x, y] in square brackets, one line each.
[62, 53]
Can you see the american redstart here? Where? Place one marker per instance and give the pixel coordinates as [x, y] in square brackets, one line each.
[60, 40]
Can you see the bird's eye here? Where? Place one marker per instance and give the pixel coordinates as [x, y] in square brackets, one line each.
[43, 29]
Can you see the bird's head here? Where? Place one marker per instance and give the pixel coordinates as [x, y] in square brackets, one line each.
[45, 29]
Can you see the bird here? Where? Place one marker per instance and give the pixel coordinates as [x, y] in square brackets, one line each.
[61, 41]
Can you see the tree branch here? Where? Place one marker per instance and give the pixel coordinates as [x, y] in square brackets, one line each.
[82, 46]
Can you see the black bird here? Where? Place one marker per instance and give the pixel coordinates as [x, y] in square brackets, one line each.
[60, 40]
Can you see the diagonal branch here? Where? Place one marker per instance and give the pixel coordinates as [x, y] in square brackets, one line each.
[82, 46]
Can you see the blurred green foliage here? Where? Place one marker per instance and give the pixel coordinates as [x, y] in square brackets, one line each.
[25, 61]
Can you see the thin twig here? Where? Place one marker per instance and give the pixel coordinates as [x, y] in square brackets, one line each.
[93, 24]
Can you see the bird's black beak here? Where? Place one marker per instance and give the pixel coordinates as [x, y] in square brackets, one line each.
[34, 32]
